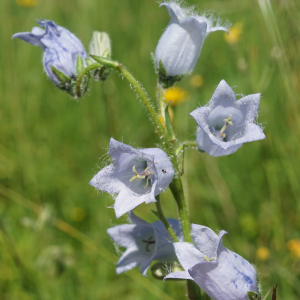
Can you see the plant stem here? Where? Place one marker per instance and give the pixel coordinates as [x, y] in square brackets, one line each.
[189, 145]
[165, 221]
[161, 100]
[84, 72]
[145, 100]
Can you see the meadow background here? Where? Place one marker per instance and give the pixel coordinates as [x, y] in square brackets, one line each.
[53, 241]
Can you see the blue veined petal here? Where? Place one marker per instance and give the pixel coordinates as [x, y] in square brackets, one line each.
[61, 48]
[221, 273]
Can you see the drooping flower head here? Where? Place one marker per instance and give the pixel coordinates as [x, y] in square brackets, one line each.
[180, 45]
[225, 124]
[221, 273]
[144, 243]
[137, 176]
[61, 48]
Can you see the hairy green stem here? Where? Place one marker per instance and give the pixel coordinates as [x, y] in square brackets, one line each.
[165, 221]
[186, 145]
[85, 72]
[145, 100]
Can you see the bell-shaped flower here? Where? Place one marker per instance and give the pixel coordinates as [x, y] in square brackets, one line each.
[180, 45]
[226, 124]
[221, 273]
[61, 50]
[137, 176]
[144, 243]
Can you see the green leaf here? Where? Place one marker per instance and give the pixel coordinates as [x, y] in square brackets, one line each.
[105, 61]
[254, 296]
[79, 65]
[63, 79]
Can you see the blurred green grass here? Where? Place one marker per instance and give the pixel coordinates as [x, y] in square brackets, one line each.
[50, 147]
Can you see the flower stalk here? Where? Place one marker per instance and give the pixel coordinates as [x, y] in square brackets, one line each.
[162, 217]
[86, 71]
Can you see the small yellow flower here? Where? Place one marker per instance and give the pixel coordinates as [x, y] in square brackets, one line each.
[234, 35]
[177, 95]
[294, 247]
[196, 81]
[78, 214]
[27, 3]
[262, 253]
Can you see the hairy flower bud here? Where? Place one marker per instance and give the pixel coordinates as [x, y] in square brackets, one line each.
[179, 47]
[100, 45]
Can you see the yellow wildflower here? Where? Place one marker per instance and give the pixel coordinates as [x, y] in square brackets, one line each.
[196, 80]
[234, 35]
[262, 253]
[294, 247]
[27, 3]
[177, 95]
[78, 214]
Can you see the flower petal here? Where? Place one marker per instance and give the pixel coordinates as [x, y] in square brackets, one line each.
[230, 278]
[124, 234]
[179, 275]
[30, 37]
[206, 239]
[129, 260]
[223, 96]
[188, 255]
[175, 11]
[127, 201]
[249, 106]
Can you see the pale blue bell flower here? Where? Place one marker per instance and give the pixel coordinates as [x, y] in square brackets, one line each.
[225, 124]
[137, 176]
[144, 243]
[221, 273]
[61, 48]
[180, 45]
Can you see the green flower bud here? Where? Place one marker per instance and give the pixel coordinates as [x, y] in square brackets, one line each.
[100, 46]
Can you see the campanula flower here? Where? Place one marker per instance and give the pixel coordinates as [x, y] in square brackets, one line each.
[180, 45]
[225, 124]
[137, 176]
[221, 273]
[61, 49]
[144, 243]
